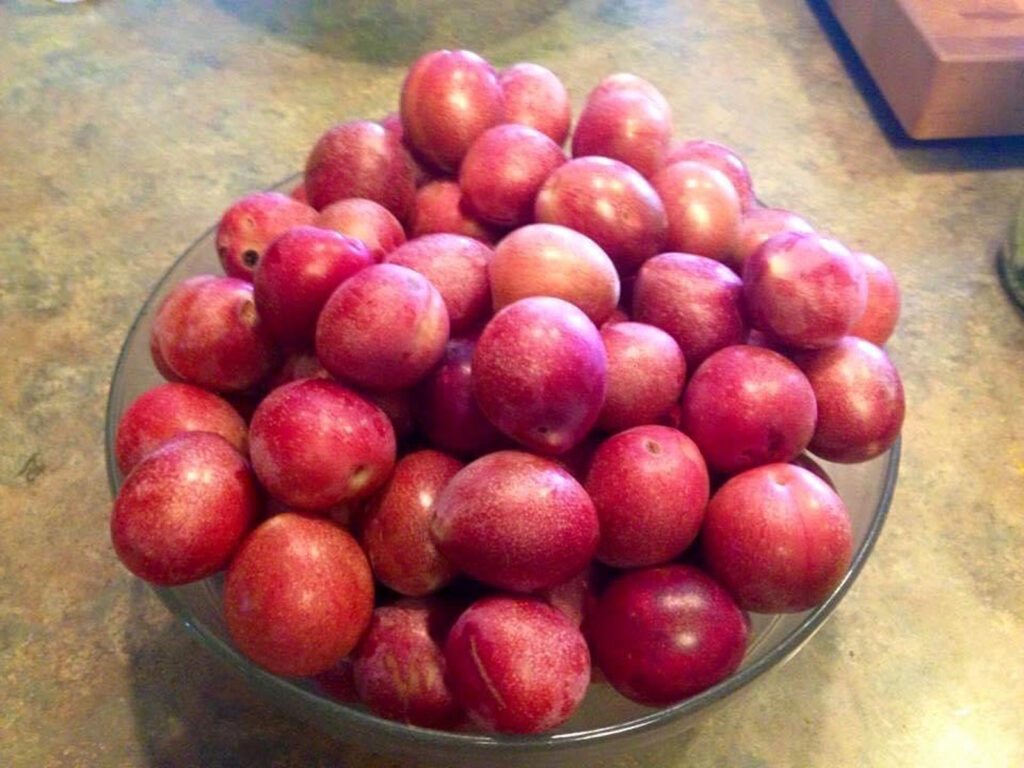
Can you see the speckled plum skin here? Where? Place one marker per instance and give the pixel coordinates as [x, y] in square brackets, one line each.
[882, 307]
[383, 328]
[746, 406]
[168, 410]
[804, 290]
[364, 220]
[626, 81]
[721, 158]
[396, 529]
[297, 365]
[360, 159]
[702, 207]
[540, 373]
[534, 96]
[664, 634]
[575, 598]
[253, 223]
[515, 521]
[184, 509]
[457, 266]
[441, 207]
[315, 443]
[778, 538]
[296, 276]
[610, 203]
[446, 409]
[624, 124]
[552, 260]
[695, 300]
[448, 99]
[517, 665]
[758, 226]
[400, 669]
[649, 485]
[860, 400]
[298, 595]
[504, 170]
[209, 334]
[646, 372]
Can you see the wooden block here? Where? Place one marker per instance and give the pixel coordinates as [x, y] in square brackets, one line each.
[948, 68]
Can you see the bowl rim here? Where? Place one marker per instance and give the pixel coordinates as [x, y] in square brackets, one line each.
[494, 744]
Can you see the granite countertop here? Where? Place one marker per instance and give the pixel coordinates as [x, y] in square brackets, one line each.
[126, 127]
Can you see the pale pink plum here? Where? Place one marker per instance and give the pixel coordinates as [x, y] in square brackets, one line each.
[703, 209]
[298, 595]
[540, 373]
[397, 406]
[360, 159]
[625, 81]
[517, 665]
[650, 487]
[446, 408]
[664, 634]
[457, 266]
[299, 193]
[624, 124]
[882, 307]
[168, 410]
[396, 529]
[209, 333]
[184, 509]
[422, 173]
[315, 443]
[383, 328]
[646, 372]
[758, 226]
[552, 260]
[364, 220]
[804, 290]
[534, 96]
[515, 521]
[695, 300]
[746, 406]
[778, 538]
[860, 400]
[440, 206]
[721, 158]
[297, 365]
[504, 170]
[448, 99]
[251, 224]
[400, 669]
[296, 276]
[610, 203]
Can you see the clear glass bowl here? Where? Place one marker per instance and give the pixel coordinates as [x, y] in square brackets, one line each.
[605, 724]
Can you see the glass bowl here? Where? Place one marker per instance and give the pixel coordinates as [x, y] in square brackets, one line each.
[606, 723]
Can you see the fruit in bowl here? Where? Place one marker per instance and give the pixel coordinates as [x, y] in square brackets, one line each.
[561, 450]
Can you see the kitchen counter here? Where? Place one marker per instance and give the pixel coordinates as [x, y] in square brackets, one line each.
[126, 127]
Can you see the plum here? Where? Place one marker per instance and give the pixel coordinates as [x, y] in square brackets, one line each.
[315, 443]
[649, 485]
[396, 528]
[626, 81]
[624, 124]
[778, 538]
[167, 410]
[702, 207]
[515, 521]
[383, 328]
[209, 333]
[552, 260]
[297, 365]
[184, 509]
[422, 172]
[440, 207]
[646, 372]
[251, 224]
[298, 595]
[610, 203]
[721, 158]
[882, 307]
[540, 373]
[360, 159]
[759, 225]
[664, 634]
[296, 276]
[517, 665]
[534, 96]
[364, 220]
[746, 406]
[397, 406]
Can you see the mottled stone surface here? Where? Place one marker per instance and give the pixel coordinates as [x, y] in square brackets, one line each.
[126, 127]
